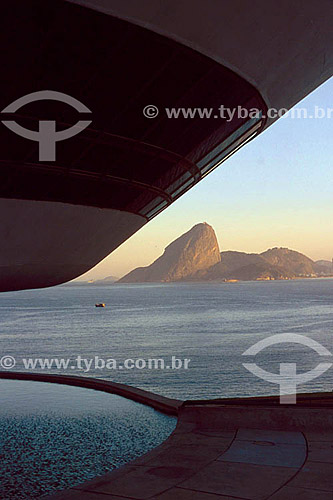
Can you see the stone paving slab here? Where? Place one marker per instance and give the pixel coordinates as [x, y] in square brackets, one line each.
[182, 494]
[289, 493]
[315, 475]
[320, 451]
[265, 453]
[100, 481]
[277, 437]
[325, 436]
[144, 482]
[192, 456]
[156, 452]
[248, 481]
[217, 433]
[217, 442]
[264, 447]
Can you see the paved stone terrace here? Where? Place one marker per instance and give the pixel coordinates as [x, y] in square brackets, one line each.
[252, 449]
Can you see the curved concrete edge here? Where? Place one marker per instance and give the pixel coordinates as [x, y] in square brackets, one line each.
[283, 418]
[159, 403]
[172, 406]
[307, 399]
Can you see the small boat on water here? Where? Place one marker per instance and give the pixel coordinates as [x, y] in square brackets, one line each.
[101, 304]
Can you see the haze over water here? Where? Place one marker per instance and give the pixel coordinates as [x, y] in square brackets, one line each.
[211, 324]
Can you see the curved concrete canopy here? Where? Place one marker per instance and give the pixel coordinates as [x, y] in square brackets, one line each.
[44, 243]
[285, 49]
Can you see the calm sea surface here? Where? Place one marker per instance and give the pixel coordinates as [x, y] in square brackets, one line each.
[52, 437]
[210, 324]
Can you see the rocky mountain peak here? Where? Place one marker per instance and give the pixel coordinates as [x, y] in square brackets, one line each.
[195, 250]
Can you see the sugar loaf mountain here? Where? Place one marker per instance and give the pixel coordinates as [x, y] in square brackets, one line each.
[195, 256]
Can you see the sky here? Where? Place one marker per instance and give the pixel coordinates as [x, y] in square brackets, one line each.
[274, 192]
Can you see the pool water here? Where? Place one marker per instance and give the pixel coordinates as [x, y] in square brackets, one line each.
[54, 437]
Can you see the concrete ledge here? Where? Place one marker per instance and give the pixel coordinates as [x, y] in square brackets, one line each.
[283, 418]
[311, 399]
[159, 403]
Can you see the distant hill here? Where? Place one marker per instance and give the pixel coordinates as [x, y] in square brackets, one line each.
[292, 262]
[276, 263]
[193, 251]
[230, 262]
[243, 266]
[105, 281]
[195, 256]
[323, 267]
